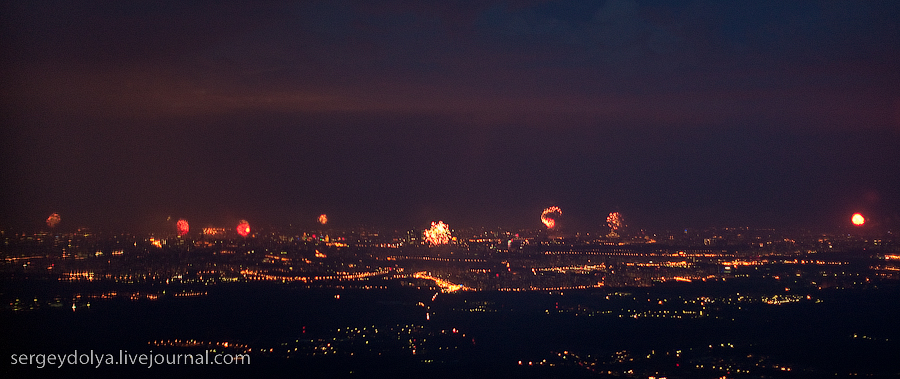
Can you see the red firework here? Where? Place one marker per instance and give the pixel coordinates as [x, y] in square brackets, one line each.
[243, 228]
[183, 227]
[615, 221]
[548, 221]
[53, 220]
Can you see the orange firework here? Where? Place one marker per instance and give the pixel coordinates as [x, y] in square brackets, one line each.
[615, 221]
[53, 220]
[243, 228]
[182, 226]
[439, 234]
[547, 220]
[858, 219]
[323, 219]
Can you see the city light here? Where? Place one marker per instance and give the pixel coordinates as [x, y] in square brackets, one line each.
[548, 221]
[559, 271]
[214, 231]
[445, 285]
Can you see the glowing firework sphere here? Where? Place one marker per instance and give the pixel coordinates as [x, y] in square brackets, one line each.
[615, 221]
[323, 219]
[243, 228]
[549, 221]
[53, 220]
[439, 234]
[182, 226]
[857, 219]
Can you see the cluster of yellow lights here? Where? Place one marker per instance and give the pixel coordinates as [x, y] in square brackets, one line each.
[682, 264]
[534, 288]
[812, 262]
[77, 276]
[196, 343]
[549, 222]
[190, 294]
[258, 275]
[781, 299]
[626, 253]
[271, 258]
[577, 269]
[133, 296]
[213, 231]
[737, 262]
[426, 258]
[445, 286]
[701, 255]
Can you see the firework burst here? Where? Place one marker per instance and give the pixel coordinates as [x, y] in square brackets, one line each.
[183, 227]
[438, 234]
[323, 219]
[615, 221]
[548, 221]
[857, 219]
[243, 228]
[53, 220]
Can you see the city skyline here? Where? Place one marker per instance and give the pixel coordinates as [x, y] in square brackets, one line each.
[654, 189]
[737, 302]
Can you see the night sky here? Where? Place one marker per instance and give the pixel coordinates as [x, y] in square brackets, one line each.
[120, 114]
